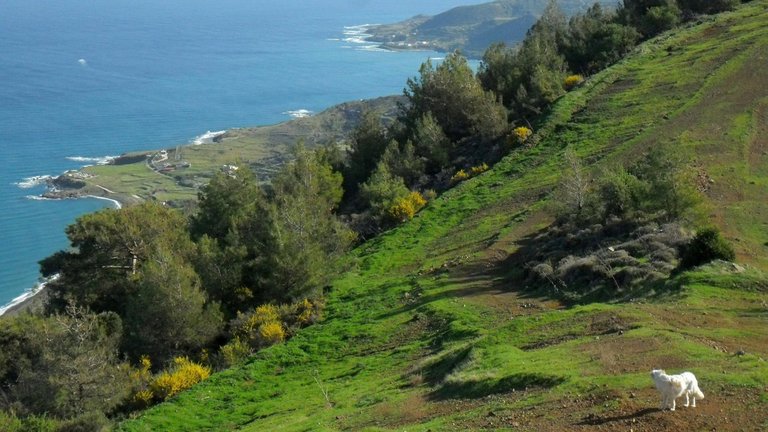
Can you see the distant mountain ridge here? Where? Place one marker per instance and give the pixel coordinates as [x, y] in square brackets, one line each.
[473, 28]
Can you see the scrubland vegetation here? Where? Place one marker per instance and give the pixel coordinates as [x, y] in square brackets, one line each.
[523, 247]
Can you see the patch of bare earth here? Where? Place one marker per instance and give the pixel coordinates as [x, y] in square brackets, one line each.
[728, 409]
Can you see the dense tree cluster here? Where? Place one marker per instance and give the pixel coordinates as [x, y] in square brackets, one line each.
[146, 288]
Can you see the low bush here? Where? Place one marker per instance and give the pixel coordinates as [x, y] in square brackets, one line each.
[271, 333]
[235, 352]
[88, 422]
[571, 81]
[708, 245]
[460, 176]
[521, 134]
[183, 375]
[407, 207]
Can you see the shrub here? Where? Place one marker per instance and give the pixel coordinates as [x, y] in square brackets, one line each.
[572, 81]
[139, 378]
[271, 333]
[706, 246]
[521, 134]
[475, 170]
[183, 375]
[235, 352]
[246, 325]
[707, 6]
[658, 19]
[406, 208]
[305, 312]
[460, 176]
[88, 422]
[299, 314]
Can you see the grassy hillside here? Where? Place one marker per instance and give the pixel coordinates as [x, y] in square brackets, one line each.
[432, 329]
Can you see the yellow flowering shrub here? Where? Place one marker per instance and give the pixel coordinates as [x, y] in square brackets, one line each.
[460, 175]
[304, 312]
[141, 397]
[405, 208]
[572, 81]
[263, 314]
[183, 375]
[235, 351]
[475, 170]
[271, 333]
[521, 134]
[266, 313]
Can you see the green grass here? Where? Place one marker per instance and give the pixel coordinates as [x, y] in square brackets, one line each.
[429, 329]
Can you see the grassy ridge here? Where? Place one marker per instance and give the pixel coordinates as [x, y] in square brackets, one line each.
[430, 330]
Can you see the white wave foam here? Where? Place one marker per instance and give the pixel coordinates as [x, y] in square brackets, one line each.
[357, 34]
[372, 48]
[29, 293]
[207, 138]
[34, 181]
[115, 203]
[359, 27]
[38, 198]
[361, 39]
[103, 160]
[300, 113]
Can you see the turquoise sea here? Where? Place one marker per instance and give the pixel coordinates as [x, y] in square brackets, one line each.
[82, 80]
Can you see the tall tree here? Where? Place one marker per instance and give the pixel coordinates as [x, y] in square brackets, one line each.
[307, 238]
[595, 40]
[529, 77]
[224, 202]
[455, 99]
[169, 315]
[368, 142]
[431, 142]
[232, 227]
[109, 249]
[650, 17]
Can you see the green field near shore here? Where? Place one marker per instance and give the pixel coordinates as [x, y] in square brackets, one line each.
[265, 149]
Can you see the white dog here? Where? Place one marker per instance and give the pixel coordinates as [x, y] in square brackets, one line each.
[672, 387]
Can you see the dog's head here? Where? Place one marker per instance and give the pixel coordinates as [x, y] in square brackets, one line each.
[657, 373]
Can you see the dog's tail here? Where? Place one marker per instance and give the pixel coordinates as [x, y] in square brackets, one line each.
[696, 391]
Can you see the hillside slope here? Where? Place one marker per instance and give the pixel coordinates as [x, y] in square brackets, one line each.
[473, 28]
[431, 328]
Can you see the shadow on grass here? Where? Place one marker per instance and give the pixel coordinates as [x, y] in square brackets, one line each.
[482, 388]
[593, 420]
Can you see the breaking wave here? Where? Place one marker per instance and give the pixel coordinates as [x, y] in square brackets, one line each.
[300, 113]
[103, 160]
[34, 181]
[207, 138]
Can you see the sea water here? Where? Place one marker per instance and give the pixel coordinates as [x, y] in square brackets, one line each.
[84, 80]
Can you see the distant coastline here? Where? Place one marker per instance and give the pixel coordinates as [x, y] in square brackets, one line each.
[29, 300]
